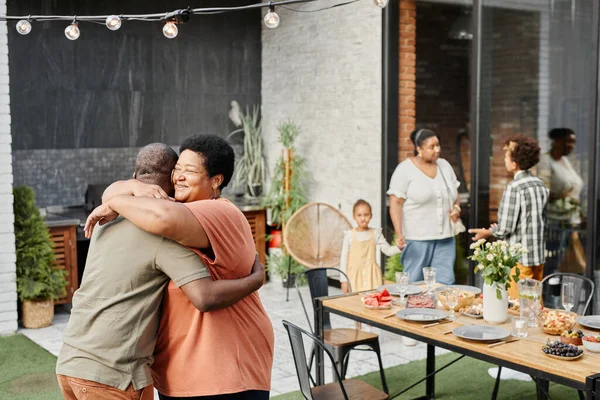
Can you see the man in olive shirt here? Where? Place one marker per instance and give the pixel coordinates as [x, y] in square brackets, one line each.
[110, 337]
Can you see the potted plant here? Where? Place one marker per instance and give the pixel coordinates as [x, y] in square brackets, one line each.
[287, 192]
[38, 284]
[495, 262]
[250, 166]
[393, 264]
[282, 264]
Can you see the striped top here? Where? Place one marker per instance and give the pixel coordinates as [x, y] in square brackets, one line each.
[522, 216]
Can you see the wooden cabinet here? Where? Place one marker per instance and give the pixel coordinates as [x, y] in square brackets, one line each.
[65, 250]
[258, 223]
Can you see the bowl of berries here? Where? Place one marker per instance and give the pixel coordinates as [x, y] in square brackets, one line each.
[562, 351]
[592, 343]
[572, 337]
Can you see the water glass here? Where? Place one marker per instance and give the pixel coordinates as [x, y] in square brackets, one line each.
[402, 283]
[568, 295]
[519, 326]
[530, 292]
[429, 276]
[452, 301]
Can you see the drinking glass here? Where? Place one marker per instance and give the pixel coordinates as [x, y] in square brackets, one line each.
[429, 276]
[452, 301]
[402, 283]
[519, 326]
[568, 295]
[530, 292]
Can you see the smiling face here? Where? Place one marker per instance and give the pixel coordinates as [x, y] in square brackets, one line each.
[191, 180]
[430, 149]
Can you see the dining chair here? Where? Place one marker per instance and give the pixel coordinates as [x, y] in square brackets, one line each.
[340, 341]
[584, 291]
[347, 389]
[551, 295]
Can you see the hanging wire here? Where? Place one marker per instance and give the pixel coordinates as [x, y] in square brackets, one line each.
[319, 9]
[160, 16]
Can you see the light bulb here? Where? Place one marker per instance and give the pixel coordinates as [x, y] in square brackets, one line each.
[271, 19]
[72, 31]
[113, 22]
[381, 3]
[170, 30]
[23, 27]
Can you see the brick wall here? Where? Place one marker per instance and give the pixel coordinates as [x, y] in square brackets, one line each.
[442, 102]
[323, 71]
[407, 80]
[8, 289]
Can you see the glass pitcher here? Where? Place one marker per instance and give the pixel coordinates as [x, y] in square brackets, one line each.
[530, 294]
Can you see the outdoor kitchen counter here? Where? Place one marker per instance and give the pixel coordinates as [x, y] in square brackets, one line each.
[54, 221]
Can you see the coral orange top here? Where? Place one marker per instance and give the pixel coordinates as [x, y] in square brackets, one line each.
[218, 352]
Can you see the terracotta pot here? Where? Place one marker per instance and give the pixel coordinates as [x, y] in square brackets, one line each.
[37, 314]
[275, 241]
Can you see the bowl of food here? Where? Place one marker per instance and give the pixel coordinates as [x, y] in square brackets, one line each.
[555, 322]
[592, 343]
[572, 337]
[465, 299]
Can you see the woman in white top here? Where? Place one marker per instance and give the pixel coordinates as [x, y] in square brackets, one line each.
[564, 182]
[423, 201]
[564, 248]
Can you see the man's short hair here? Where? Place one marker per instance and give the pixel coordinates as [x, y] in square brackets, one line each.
[524, 150]
[154, 164]
[217, 154]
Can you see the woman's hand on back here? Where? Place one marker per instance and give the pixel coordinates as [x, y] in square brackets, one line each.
[102, 214]
[141, 189]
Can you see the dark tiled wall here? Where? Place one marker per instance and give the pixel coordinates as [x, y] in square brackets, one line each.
[60, 177]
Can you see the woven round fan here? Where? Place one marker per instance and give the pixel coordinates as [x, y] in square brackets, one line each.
[314, 235]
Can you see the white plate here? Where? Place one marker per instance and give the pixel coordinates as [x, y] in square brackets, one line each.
[466, 288]
[392, 288]
[481, 333]
[590, 321]
[421, 314]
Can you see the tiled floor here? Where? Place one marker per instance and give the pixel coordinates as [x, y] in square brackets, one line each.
[284, 377]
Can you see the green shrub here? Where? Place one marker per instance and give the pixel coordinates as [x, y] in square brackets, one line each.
[279, 264]
[36, 280]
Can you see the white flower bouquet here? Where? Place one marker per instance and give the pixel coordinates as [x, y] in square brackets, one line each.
[495, 260]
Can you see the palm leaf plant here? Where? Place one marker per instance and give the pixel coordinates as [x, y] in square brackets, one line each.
[250, 167]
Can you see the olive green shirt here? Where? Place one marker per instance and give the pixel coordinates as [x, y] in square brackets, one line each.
[113, 326]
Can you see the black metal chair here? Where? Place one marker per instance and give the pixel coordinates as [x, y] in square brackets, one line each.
[340, 341]
[551, 295]
[584, 291]
[346, 389]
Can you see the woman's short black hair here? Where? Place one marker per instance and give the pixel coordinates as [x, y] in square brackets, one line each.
[560, 133]
[524, 150]
[218, 155]
[418, 136]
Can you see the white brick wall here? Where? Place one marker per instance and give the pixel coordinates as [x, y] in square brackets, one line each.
[323, 71]
[8, 289]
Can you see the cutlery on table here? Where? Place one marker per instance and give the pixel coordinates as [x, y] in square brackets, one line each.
[437, 323]
[503, 342]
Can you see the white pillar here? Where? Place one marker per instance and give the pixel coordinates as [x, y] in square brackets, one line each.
[8, 287]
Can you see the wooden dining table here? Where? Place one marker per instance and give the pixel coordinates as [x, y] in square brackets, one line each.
[524, 355]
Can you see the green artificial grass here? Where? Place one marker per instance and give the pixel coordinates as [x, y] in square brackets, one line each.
[26, 370]
[466, 379]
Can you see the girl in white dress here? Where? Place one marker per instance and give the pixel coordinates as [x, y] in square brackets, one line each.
[359, 251]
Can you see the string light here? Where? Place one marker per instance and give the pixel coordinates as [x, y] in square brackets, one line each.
[72, 31]
[271, 18]
[170, 19]
[113, 22]
[381, 3]
[170, 30]
[23, 27]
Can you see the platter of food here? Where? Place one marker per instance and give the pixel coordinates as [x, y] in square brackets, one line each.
[422, 300]
[377, 301]
[562, 351]
[473, 311]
